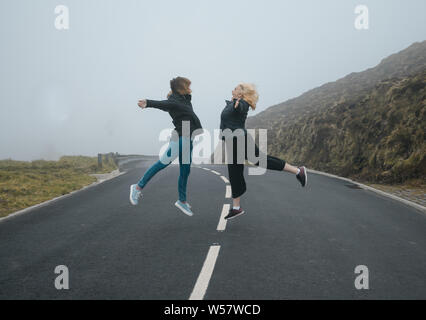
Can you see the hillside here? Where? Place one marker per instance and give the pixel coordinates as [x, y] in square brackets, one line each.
[368, 125]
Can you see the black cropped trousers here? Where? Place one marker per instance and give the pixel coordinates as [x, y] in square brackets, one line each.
[236, 170]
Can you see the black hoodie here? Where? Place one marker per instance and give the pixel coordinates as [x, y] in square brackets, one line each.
[180, 109]
[234, 118]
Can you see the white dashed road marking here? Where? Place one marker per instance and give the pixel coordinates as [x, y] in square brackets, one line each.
[203, 280]
[222, 222]
[228, 192]
[205, 274]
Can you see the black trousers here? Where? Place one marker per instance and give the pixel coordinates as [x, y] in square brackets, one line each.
[236, 170]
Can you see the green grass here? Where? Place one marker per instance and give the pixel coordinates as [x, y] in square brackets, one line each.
[23, 184]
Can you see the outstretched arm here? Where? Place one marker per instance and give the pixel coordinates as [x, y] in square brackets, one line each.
[164, 105]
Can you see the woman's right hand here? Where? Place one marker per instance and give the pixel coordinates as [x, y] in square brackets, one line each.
[142, 104]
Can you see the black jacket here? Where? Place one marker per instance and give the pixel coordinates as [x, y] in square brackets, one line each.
[180, 109]
[234, 118]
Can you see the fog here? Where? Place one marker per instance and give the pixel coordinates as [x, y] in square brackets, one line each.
[72, 92]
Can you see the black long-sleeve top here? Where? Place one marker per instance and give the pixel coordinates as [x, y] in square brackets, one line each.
[180, 109]
[234, 118]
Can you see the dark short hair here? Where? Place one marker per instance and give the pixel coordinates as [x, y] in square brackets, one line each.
[180, 85]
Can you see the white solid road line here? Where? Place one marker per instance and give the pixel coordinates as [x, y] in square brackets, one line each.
[215, 172]
[421, 208]
[224, 179]
[222, 222]
[203, 280]
[228, 192]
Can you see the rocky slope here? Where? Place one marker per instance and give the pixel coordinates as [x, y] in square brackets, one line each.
[368, 125]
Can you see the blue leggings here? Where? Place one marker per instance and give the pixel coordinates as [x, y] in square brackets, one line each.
[181, 148]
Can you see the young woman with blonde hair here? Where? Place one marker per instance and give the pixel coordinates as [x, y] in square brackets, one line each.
[178, 105]
[233, 117]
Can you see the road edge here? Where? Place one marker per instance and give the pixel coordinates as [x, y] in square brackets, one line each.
[419, 207]
[47, 202]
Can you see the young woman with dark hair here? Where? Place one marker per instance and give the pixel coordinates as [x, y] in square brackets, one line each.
[178, 105]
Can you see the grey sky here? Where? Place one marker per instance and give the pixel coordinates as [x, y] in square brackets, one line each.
[75, 91]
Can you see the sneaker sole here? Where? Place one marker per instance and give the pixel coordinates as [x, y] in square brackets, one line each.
[130, 197]
[183, 210]
[237, 215]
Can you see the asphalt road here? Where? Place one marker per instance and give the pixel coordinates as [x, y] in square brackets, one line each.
[292, 243]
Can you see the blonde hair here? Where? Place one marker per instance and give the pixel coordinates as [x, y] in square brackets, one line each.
[250, 94]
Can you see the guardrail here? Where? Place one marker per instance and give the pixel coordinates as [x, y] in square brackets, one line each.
[105, 158]
[120, 159]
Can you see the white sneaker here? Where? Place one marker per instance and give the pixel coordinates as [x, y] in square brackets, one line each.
[135, 194]
[184, 207]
